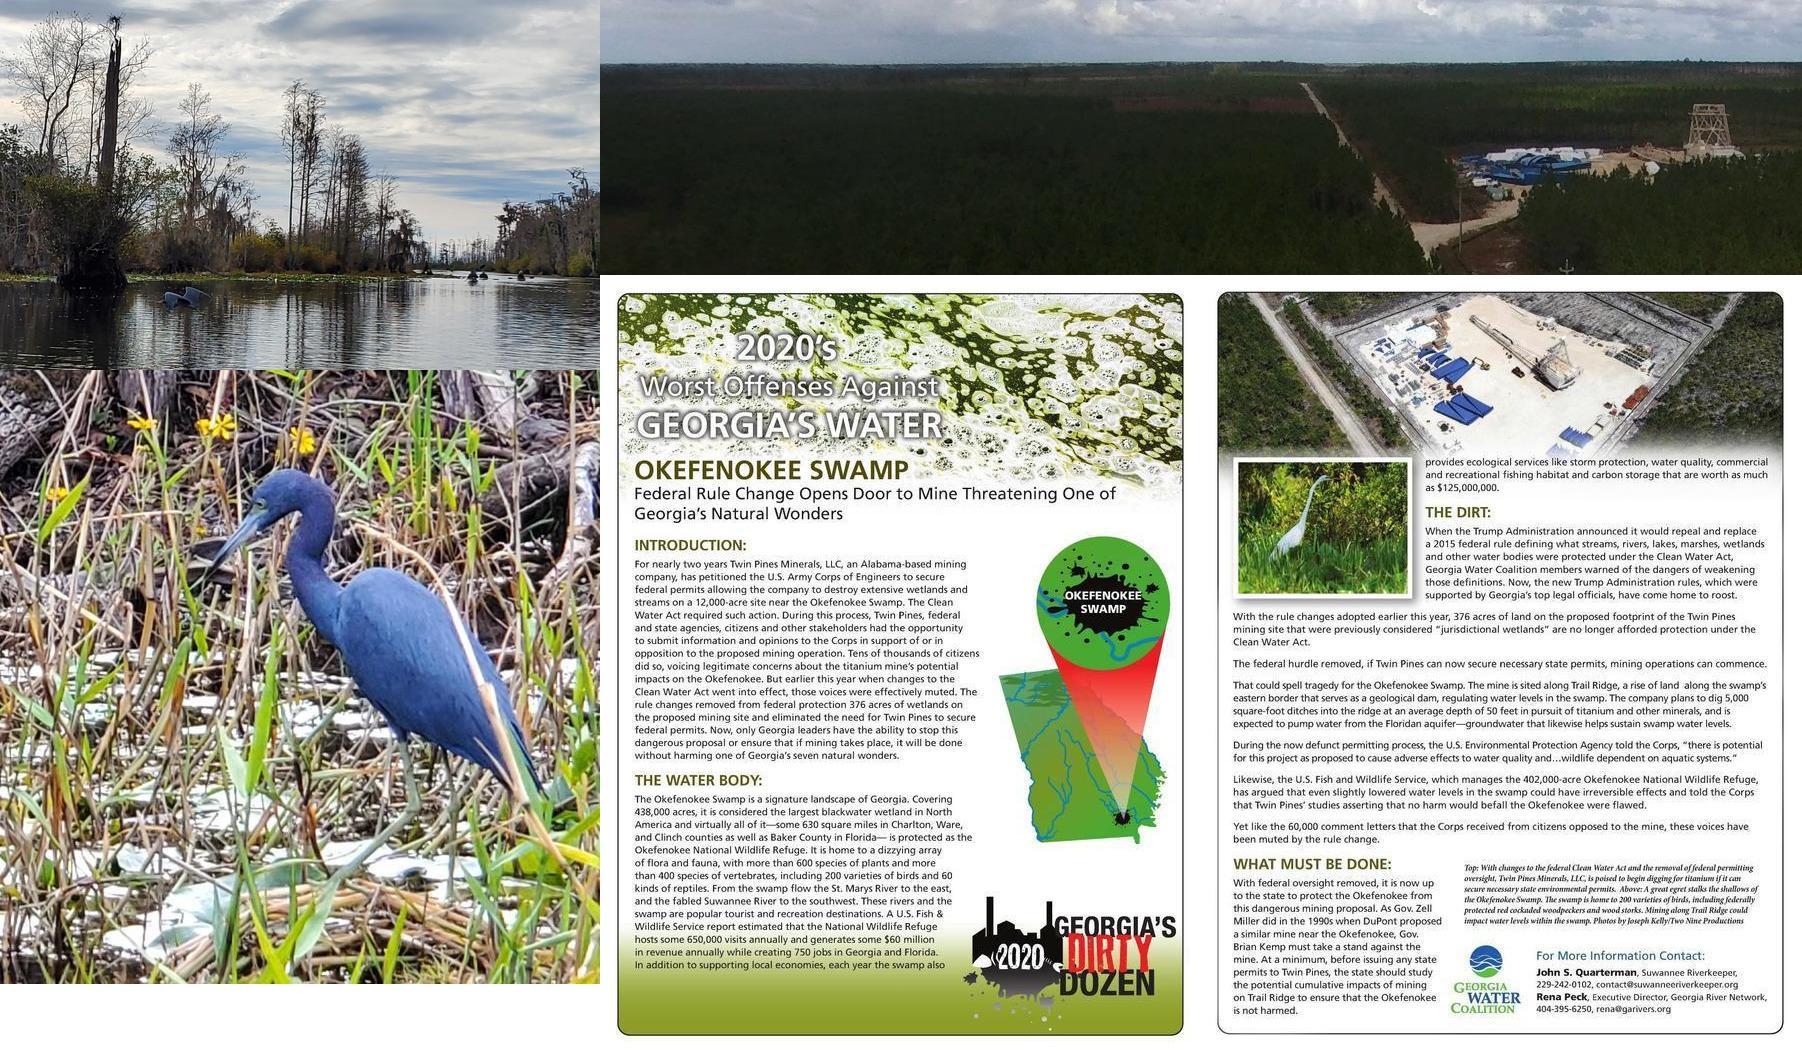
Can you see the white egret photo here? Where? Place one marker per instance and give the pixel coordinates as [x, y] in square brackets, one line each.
[1312, 527]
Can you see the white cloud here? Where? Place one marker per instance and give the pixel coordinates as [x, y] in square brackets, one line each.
[1151, 30]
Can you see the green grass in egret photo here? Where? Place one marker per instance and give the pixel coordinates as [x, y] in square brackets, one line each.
[1323, 527]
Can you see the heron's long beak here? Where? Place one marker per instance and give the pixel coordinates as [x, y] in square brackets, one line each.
[254, 523]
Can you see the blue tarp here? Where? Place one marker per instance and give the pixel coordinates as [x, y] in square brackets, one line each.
[1423, 352]
[1438, 359]
[1452, 370]
[1464, 399]
[1532, 169]
[1575, 437]
[1455, 411]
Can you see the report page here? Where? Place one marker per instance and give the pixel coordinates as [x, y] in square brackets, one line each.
[1500, 727]
[901, 664]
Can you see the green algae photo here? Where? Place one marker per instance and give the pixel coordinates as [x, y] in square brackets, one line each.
[1323, 527]
[1029, 386]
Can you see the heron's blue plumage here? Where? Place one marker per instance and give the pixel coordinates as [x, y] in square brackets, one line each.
[403, 652]
[397, 637]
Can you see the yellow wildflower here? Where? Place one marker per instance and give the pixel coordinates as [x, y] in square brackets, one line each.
[56, 493]
[224, 427]
[302, 438]
[141, 423]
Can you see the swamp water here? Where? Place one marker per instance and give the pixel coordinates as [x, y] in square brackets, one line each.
[437, 322]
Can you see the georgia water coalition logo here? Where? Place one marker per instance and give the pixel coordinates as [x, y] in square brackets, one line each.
[1486, 961]
[1489, 997]
[1084, 956]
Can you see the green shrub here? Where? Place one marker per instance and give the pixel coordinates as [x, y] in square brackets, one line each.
[257, 252]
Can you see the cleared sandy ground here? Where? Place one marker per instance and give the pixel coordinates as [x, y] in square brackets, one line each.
[1528, 416]
[1433, 235]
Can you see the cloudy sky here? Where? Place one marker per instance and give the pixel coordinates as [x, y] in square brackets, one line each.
[1151, 30]
[464, 102]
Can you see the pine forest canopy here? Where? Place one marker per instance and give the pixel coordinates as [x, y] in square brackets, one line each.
[1157, 167]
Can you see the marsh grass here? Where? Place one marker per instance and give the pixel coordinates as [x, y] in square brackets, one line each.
[1320, 567]
[181, 766]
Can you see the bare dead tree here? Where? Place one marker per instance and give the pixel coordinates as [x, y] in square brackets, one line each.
[57, 57]
[109, 122]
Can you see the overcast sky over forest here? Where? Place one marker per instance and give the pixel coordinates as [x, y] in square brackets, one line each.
[465, 102]
[1156, 30]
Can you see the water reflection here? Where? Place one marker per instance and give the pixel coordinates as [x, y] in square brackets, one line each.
[443, 322]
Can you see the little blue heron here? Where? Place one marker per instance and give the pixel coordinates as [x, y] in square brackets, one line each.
[1293, 537]
[188, 297]
[404, 647]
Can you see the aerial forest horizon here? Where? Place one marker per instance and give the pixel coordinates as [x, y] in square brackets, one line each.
[1199, 167]
[99, 181]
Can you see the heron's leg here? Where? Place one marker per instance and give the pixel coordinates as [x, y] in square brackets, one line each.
[388, 832]
[399, 744]
[411, 811]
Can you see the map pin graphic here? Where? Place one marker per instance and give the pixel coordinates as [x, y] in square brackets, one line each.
[1103, 606]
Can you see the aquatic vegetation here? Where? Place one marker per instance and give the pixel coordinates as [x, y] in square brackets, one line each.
[182, 764]
[223, 427]
[1320, 567]
[1033, 386]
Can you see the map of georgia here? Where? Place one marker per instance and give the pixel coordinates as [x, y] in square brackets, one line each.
[1068, 793]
